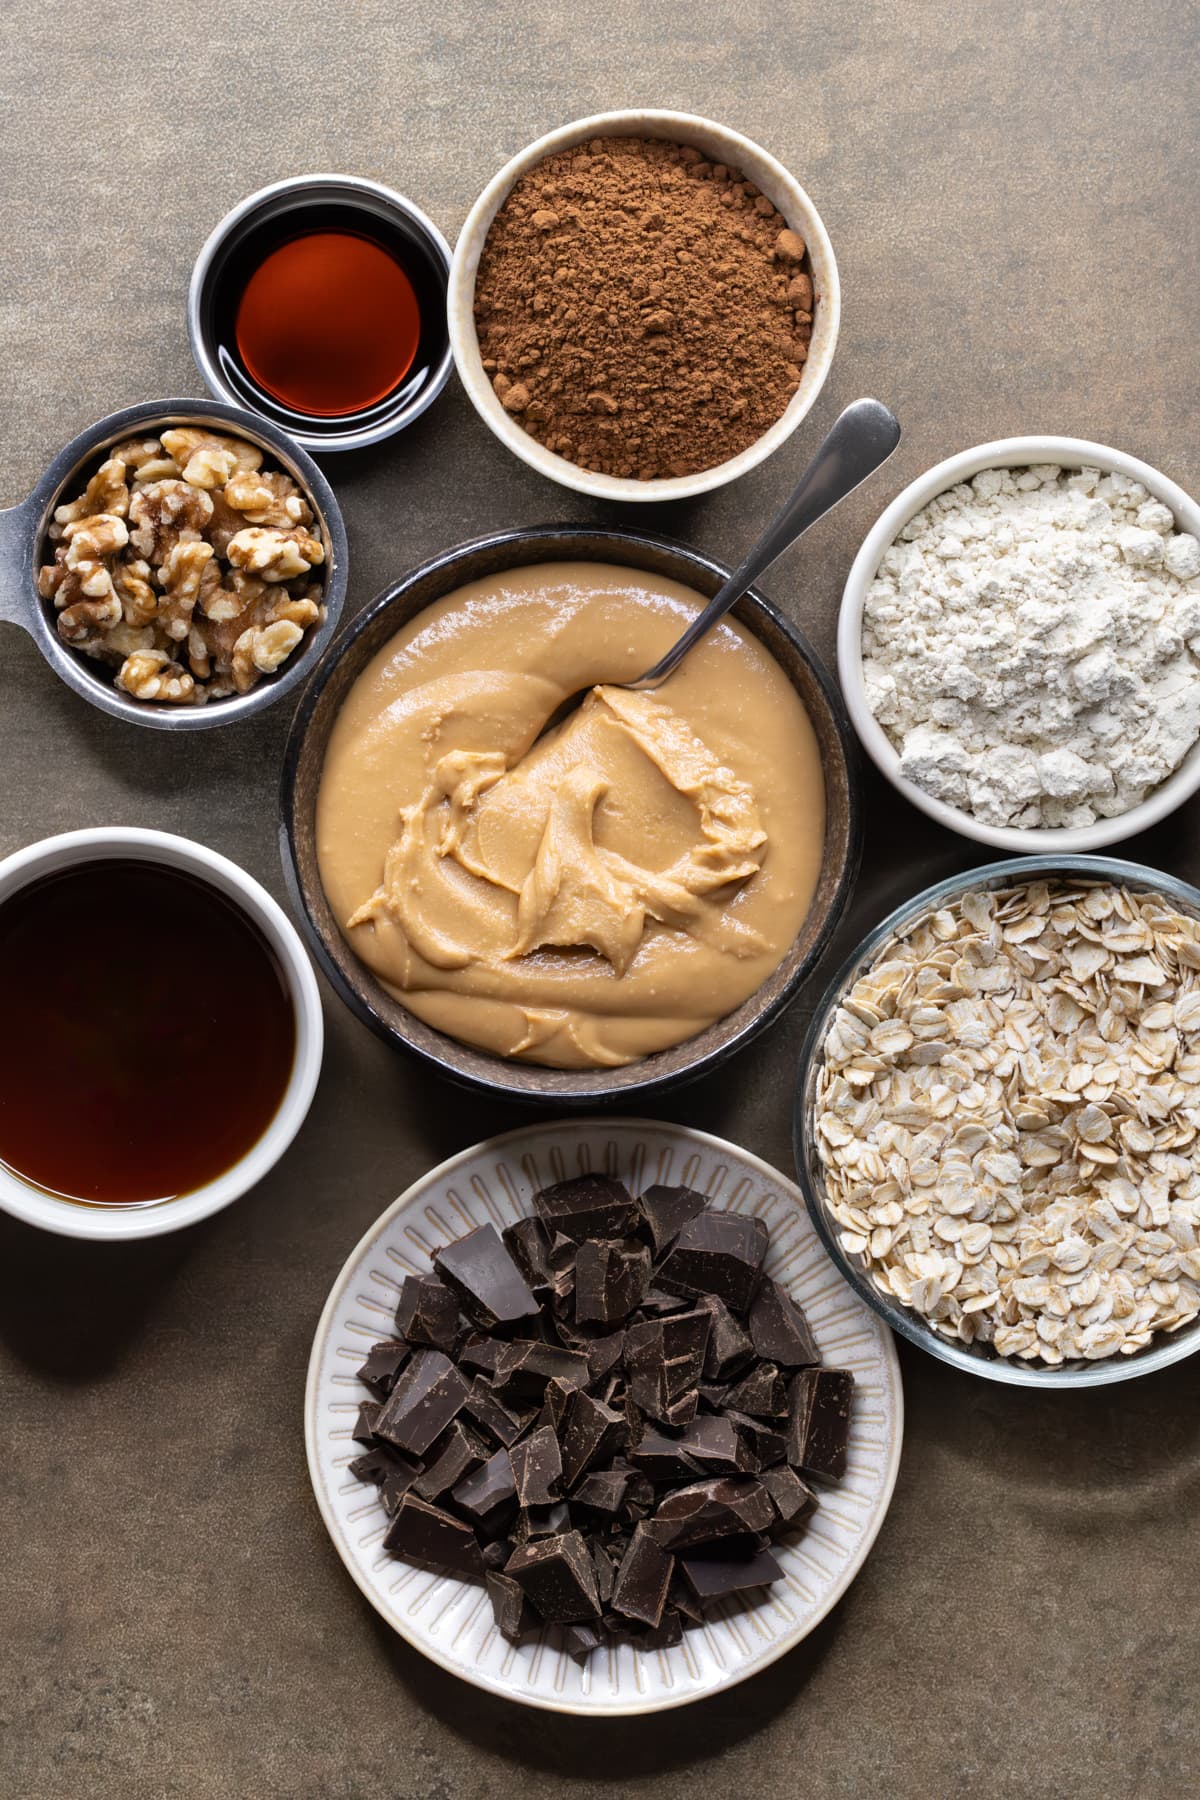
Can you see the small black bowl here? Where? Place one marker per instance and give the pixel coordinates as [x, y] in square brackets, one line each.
[262, 222]
[304, 759]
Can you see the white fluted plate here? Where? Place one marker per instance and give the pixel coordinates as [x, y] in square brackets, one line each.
[450, 1620]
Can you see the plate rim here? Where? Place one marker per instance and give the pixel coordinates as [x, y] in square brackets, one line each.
[618, 1709]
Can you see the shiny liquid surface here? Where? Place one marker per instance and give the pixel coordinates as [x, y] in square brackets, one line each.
[328, 323]
[148, 1035]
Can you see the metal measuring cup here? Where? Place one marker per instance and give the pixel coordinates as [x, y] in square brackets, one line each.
[23, 548]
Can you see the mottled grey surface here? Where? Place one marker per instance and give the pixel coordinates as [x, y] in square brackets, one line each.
[1011, 190]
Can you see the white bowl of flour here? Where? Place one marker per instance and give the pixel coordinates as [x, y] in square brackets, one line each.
[1019, 644]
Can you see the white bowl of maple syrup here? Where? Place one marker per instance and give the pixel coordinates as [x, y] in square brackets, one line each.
[320, 303]
[163, 1033]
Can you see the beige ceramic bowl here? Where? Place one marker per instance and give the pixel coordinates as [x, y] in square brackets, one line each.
[722, 145]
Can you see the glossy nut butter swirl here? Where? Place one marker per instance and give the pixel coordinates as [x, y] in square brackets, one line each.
[603, 892]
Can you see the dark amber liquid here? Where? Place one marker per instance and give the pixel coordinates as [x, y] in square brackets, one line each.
[328, 323]
[148, 1034]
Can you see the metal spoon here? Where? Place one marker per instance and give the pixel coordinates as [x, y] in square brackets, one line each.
[862, 438]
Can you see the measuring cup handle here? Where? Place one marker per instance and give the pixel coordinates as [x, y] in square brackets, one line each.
[16, 561]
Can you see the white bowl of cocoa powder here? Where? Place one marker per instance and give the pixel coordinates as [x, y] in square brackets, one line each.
[643, 305]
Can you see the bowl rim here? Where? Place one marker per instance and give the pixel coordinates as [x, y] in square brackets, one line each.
[31, 518]
[210, 369]
[1015, 452]
[620, 1123]
[517, 1081]
[167, 849]
[674, 126]
[987, 1364]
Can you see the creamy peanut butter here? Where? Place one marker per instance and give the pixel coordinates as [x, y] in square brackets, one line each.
[605, 891]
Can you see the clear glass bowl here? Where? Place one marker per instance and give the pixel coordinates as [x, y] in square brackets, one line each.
[975, 1359]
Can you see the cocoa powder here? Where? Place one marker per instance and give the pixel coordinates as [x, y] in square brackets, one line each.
[641, 311]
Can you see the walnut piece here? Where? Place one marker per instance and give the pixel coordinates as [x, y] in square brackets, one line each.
[180, 547]
[273, 554]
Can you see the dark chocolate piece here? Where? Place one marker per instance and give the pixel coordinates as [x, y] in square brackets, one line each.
[592, 1433]
[481, 1354]
[456, 1454]
[540, 1522]
[729, 1347]
[559, 1395]
[384, 1362]
[528, 1243]
[496, 1554]
[428, 1313]
[487, 1282]
[714, 1574]
[766, 1444]
[606, 1573]
[657, 1301]
[604, 1355]
[714, 1445]
[525, 1368]
[536, 1468]
[779, 1330]
[557, 1576]
[611, 1278]
[640, 1590]
[580, 1640]
[667, 1210]
[377, 1463]
[508, 1605]
[718, 1253]
[504, 1423]
[681, 1412]
[396, 1484]
[664, 1359]
[762, 1393]
[588, 1206]
[428, 1395]
[488, 1492]
[723, 1507]
[364, 1425]
[601, 1492]
[433, 1539]
[819, 1428]
[793, 1499]
[667, 1634]
[662, 1458]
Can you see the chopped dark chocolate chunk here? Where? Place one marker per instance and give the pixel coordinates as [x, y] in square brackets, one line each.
[536, 1468]
[606, 1573]
[662, 1458]
[384, 1362]
[729, 1347]
[711, 1509]
[714, 1575]
[487, 1282]
[428, 1395]
[657, 1301]
[779, 1331]
[525, 1368]
[604, 1355]
[396, 1484]
[580, 1640]
[540, 1522]
[505, 1423]
[601, 1492]
[377, 1463]
[766, 1444]
[487, 1492]
[591, 1433]
[664, 1358]
[428, 1313]
[557, 1576]
[481, 1354]
[681, 1412]
[717, 1253]
[364, 1425]
[611, 1278]
[528, 1243]
[667, 1210]
[714, 1445]
[819, 1429]
[456, 1454]
[666, 1634]
[509, 1607]
[425, 1535]
[762, 1393]
[590, 1206]
[640, 1591]
[554, 1406]
[793, 1499]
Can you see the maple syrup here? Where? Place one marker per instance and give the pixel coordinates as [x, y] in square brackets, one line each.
[148, 1033]
[327, 316]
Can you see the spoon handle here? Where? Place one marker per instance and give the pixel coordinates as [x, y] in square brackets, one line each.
[862, 438]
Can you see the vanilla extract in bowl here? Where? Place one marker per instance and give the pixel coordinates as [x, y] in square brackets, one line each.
[149, 1033]
[321, 304]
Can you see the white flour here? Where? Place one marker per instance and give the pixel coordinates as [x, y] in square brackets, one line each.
[1031, 645]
